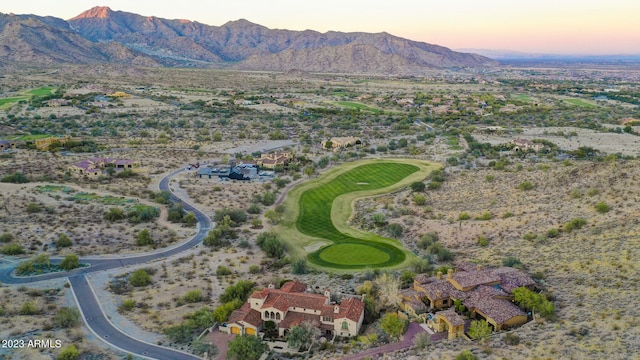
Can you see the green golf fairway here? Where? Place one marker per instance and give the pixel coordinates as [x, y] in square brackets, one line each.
[348, 252]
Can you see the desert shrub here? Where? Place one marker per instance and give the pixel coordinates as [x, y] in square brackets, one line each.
[66, 318]
[526, 185]
[236, 215]
[602, 207]
[511, 339]
[268, 198]
[223, 271]
[270, 243]
[69, 353]
[483, 241]
[419, 199]
[299, 267]
[379, 219]
[254, 269]
[140, 278]
[422, 340]
[28, 308]
[576, 223]
[193, 296]
[253, 209]
[70, 262]
[466, 355]
[485, 216]
[552, 233]
[428, 239]
[15, 178]
[144, 238]
[6, 238]
[434, 185]
[512, 261]
[12, 249]
[63, 241]
[115, 214]
[33, 208]
[395, 230]
[464, 216]
[127, 305]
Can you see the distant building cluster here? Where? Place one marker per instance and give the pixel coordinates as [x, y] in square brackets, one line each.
[485, 293]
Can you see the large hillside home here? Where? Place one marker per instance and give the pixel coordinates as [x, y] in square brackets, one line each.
[94, 167]
[292, 305]
[341, 142]
[270, 161]
[485, 293]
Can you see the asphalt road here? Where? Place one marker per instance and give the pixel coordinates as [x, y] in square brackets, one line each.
[89, 306]
[102, 327]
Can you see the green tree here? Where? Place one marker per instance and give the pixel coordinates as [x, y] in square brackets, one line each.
[268, 198]
[419, 199]
[302, 336]
[70, 262]
[179, 333]
[140, 278]
[393, 325]
[222, 312]
[144, 238]
[190, 219]
[479, 330]
[246, 347]
[69, 353]
[66, 318]
[299, 266]
[418, 186]
[241, 291]
[273, 216]
[328, 145]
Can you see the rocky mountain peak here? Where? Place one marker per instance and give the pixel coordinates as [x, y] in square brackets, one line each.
[97, 12]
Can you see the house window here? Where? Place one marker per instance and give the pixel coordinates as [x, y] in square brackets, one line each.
[277, 316]
[345, 325]
[445, 302]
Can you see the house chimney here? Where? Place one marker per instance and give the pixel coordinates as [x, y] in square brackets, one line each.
[327, 293]
[336, 309]
[450, 274]
[271, 286]
[439, 275]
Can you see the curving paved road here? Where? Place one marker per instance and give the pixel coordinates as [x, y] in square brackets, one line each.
[88, 304]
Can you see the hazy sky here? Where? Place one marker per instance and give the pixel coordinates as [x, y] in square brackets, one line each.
[542, 26]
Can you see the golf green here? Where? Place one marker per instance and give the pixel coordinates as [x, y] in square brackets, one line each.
[347, 251]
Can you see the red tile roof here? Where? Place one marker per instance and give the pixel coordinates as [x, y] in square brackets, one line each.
[471, 279]
[246, 314]
[485, 299]
[294, 319]
[351, 309]
[294, 286]
[452, 317]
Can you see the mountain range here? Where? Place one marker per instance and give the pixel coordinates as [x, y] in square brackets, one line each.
[101, 35]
